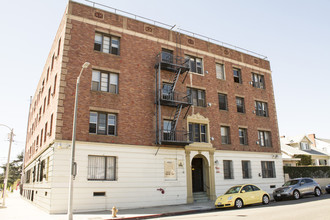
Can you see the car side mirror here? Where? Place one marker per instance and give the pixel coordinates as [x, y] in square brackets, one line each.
[243, 191]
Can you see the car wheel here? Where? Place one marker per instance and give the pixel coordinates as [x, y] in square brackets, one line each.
[265, 199]
[317, 192]
[296, 194]
[238, 203]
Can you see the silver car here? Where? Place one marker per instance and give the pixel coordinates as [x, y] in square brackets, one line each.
[296, 188]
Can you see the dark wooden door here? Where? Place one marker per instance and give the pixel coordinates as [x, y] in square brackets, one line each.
[197, 174]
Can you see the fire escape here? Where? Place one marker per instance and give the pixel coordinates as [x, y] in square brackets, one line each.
[167, 133]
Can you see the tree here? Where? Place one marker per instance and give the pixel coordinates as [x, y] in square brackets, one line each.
[15, 170]
[305, 159]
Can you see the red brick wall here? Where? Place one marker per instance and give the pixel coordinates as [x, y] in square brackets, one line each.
[135, 101]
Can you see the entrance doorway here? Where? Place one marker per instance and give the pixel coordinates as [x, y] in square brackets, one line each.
[197, 175]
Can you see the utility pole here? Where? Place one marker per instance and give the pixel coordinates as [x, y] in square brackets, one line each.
[7, 167]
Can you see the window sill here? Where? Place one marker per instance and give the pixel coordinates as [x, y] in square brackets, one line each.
[117, 55]
[105, 135]
[198, 74]
[224, 110]
[99, 91]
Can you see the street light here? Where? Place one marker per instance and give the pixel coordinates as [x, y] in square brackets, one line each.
[72, 162]
[7, 167]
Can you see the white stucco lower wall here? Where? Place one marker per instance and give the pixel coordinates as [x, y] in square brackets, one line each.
[140, 173]
[255, 158]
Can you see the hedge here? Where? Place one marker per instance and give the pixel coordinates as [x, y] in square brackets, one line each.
[310, 171]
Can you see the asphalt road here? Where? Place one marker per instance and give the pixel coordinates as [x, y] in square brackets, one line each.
[306, 208]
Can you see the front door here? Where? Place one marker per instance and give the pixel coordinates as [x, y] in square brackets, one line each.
[197, 174]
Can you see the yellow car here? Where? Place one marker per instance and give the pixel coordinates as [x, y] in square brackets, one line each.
[240, 195]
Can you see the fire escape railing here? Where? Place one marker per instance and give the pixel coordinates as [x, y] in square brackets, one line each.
[169, 97]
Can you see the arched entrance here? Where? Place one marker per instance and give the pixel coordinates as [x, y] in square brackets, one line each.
[199, 174]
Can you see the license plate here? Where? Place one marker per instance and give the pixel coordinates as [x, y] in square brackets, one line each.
[278, 195]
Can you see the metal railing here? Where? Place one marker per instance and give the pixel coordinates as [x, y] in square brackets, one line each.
[174, 136]
[175, 97]
[170, 27]
[165, 57]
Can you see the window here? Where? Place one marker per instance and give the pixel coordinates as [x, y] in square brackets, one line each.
[49, 93]
[240, 104]
[45, 138]
[242, 133]
[268, 169]
[304, 146]
[167, 56]
[246, 169]
[167, 126]
[55, 80]
[228, 169]
[101, 168]
[220, 71]
[223, 103]
[45, 99]
[195, 64]
[225, 135]
[106, 43]
[264, 139]
[237, 75]
[102, 123]
[41, 133]
[59, 47]
[51, 125]
[106, 82]
[52, 65]
[258, 81]
[197, 132]
[197, 96]
[261, 108]
[167, 91]
[47, 76]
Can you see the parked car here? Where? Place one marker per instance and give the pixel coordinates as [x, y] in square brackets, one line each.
[296, 188]
[327, 188]
[240, 195]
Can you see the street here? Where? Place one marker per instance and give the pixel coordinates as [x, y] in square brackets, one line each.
[307, 208]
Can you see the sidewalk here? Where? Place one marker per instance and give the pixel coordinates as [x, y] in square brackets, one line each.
[18, 208]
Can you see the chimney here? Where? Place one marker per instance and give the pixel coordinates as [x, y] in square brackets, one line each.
[312, 138]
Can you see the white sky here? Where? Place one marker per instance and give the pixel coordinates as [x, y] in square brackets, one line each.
[294, 35]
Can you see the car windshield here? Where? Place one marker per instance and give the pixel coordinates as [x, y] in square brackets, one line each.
[234, 189]
[291, 182]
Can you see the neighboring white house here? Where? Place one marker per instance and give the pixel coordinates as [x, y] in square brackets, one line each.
[304, 145]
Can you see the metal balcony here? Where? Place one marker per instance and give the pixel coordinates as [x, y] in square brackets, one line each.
[174, 98]
[169, 62]
[175, 138]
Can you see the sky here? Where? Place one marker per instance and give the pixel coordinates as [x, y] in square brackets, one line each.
[294, 35]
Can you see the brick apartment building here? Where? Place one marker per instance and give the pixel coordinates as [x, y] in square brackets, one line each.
[163, 117]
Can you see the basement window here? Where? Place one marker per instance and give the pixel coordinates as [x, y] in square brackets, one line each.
[98, 193]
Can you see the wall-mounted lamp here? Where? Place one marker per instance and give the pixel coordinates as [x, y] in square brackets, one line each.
[259, 174]
[212, 138]
[206, 71]
[257, 142]
[216, 162]
[209, 104]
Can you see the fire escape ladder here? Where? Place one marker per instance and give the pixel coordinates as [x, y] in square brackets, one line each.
[176, 118]
[175, 80]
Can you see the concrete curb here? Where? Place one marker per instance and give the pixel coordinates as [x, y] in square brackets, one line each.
[164, 214]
